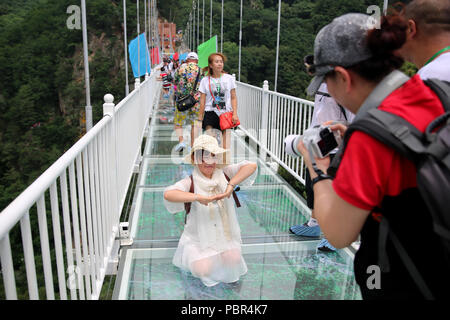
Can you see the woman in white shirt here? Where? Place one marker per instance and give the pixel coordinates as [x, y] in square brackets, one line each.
[217, 96]
[210, 246]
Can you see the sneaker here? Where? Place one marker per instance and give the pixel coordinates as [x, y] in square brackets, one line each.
[325, 246]
[305, 230]
[180, 147]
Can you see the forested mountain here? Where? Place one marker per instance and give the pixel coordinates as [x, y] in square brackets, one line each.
[300, 21]
[42, 97]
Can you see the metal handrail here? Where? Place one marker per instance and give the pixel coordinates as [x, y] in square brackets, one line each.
[86, 188]
[267, 117]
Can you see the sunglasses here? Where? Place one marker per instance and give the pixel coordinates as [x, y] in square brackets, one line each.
[206, 156]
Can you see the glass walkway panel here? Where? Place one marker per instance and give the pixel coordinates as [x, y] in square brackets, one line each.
[280, 265]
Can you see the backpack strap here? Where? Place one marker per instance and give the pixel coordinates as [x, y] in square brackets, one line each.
[187, 205]
[442, 90]
[238, 204]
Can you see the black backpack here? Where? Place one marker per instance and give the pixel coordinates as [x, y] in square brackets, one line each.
[430, 153]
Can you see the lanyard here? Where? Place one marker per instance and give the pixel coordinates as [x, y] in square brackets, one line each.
[436, 54]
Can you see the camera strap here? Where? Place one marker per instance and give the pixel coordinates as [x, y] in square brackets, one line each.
[320, 174]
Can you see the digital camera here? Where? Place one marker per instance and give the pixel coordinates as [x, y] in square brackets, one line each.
[320, 140]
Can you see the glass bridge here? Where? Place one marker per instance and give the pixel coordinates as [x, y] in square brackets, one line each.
[281, 266]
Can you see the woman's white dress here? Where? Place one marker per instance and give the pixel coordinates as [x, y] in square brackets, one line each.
[210, 230]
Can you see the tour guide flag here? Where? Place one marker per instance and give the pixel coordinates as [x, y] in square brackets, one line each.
[205, 49]
[144, 64]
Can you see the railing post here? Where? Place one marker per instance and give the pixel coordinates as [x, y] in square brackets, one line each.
[137, 83]
[264, 118]
[109, 109]
[112, 169]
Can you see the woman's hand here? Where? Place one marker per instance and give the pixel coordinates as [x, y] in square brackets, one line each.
[205, 200]
[235, 118]
[228, 191]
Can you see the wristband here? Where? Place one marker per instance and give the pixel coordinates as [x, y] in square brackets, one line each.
[321, 176]
[234, 186]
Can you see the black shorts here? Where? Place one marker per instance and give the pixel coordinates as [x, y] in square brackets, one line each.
[211, 119]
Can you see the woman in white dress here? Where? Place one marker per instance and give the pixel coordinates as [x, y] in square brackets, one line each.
[210, 246]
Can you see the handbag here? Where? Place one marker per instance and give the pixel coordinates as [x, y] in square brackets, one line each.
[187, 101]
[226, 118]
[226, 121]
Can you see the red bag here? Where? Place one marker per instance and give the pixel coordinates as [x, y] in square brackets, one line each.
[226, 121]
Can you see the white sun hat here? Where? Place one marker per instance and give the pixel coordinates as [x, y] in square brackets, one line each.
[208, 143]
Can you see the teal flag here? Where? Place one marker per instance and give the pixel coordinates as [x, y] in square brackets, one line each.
[144, 65]
[183, 56]
[205, 49]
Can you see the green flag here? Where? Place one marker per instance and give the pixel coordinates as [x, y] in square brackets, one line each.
[205, 49]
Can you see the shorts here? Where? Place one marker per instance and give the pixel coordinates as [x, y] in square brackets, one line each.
[211, 119]
[183, 118]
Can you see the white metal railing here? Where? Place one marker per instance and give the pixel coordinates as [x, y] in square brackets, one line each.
[267, 117]
[86, 188]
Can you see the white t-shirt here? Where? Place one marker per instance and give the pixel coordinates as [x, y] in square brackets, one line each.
[221, 89]
[326, 108]
[439, 68]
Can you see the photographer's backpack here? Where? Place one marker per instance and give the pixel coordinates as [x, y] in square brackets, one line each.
[430, 153]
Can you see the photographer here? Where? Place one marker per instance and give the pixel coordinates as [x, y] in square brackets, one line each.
[373, 181]
[325, 109]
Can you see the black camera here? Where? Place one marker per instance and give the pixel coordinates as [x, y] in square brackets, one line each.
[320, 139]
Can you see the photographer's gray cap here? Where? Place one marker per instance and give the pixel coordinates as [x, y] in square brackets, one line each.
[340, 43]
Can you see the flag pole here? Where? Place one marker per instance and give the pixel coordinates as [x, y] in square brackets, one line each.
[278, 45]
[139, 47]
[221, 30]
[240, 40]
[203, 22]
[127, 89]
[198, 23]
[86, 69]
[210, 19]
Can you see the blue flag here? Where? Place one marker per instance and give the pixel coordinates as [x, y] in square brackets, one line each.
[144, 65]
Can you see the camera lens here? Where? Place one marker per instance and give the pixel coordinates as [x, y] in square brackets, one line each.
[309, 59]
